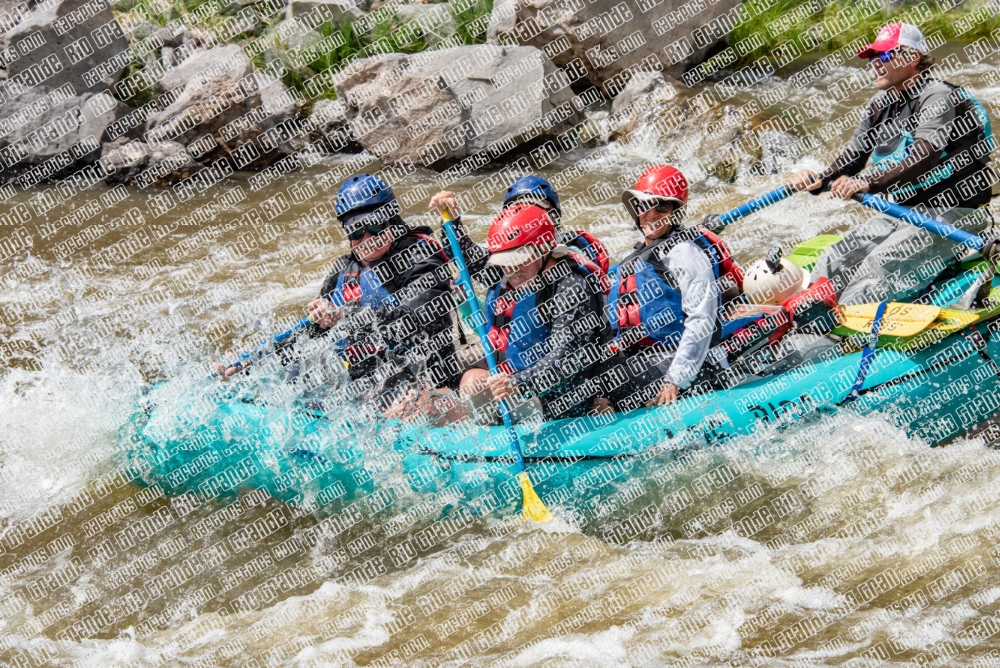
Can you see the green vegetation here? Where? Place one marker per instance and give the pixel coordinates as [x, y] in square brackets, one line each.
[257, 27]
[815, 25]
[391, 34]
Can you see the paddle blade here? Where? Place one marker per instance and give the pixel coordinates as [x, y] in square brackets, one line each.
[899, 320]
[534, 509]
[952, 320]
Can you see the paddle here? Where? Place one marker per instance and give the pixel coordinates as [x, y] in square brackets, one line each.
[533, 507]
[277, 338]
[919, 220]
[717, 222]
[899, 319]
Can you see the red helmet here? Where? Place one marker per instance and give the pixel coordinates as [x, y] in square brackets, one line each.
[519, 233]
[659, 183]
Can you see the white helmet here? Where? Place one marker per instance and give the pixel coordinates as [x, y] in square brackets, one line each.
[774, 279]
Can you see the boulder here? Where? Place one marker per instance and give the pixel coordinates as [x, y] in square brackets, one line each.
[54, 47]
[331, 10]
[330, 128]
[608, 40]
[65, 135]
[439, 107]
[11, 13]
[223, 62]
[433, 21]
[135, 163]
[226, 111]
[654, 108]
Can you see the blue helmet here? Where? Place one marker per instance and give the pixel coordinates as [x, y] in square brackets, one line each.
[362, 191]
[532, 185]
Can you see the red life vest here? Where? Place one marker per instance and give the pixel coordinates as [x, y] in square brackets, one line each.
[657, 316]
[729, 269]
[591, 247]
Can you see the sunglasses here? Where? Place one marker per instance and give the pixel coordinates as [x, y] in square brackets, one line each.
[359, 233]
[883, 56]
[660, 207]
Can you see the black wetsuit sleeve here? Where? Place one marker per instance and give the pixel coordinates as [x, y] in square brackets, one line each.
[576, 325]
[474, 254]
[849, 163]
[855, 156]
[423, 290]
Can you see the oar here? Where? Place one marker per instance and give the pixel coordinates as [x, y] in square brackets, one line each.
[277, 338]
[534, 509]
[919, 220]
[756, 204]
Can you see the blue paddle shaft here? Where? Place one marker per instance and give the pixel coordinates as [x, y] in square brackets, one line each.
[278, 338]
[465, 280]
[919, 220]
[767, 199]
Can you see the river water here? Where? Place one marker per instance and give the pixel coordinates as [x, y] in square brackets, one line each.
[882, 549]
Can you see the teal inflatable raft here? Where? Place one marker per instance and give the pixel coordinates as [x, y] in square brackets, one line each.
[934, 386]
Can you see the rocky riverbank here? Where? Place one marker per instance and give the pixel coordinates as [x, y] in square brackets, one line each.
[150, 94]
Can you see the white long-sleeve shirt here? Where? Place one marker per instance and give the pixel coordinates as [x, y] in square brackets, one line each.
[700, 300]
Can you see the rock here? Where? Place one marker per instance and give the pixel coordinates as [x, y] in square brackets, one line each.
[64, 136]
[11, 13]
[167, 37]
[330, 10]
[656, 108]
[299, 41]
[439, 107]
[330, 128]
[54, 47]
[225, 111]
[275, 97]
[609, 39]
[639, 87]
[228, 62]
[434, 22]
[135, 163]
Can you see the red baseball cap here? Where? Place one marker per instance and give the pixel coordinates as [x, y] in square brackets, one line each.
[894, 35]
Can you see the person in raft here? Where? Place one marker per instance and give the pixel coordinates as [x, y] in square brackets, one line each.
[545, 317]
[665, 299]
[929, 141]
[389, 301]
[529, 189]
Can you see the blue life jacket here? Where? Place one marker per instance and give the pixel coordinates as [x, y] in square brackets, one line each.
[518, 325]
[362, 288]
[645, 303]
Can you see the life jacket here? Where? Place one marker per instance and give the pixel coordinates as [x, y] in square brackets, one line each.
[589, 246]
[519, 320]
[645, 303]
[361, 286]
[968, 149]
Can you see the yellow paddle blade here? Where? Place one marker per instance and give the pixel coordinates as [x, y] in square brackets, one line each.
[952, 320]
[899, 319]
[534, 509]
